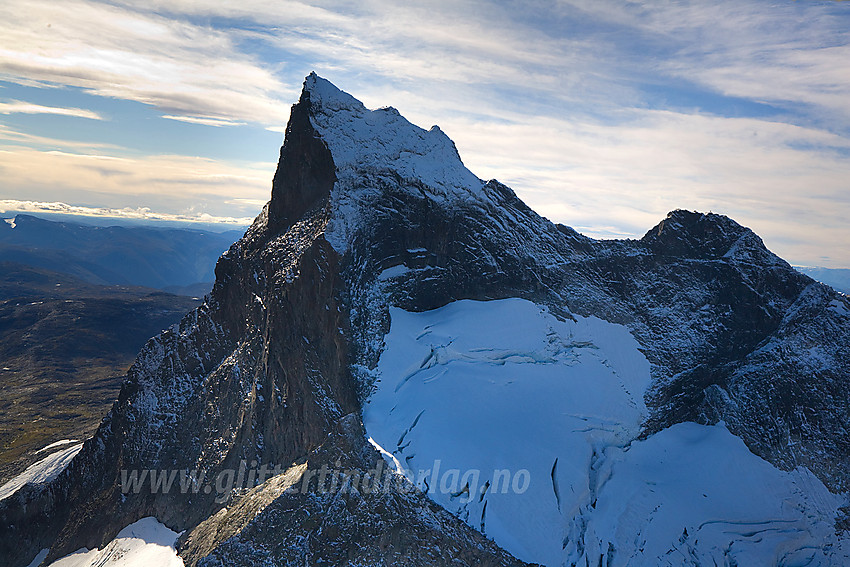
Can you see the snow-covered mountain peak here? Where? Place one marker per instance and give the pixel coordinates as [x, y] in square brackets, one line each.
[482, 346]
[359, 138]
[324, 96]
[380, 145]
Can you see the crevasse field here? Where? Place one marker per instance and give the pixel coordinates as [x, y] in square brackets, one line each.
[475, 389]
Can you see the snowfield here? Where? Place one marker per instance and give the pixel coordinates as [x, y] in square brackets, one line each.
[146, 543]
[57, 444]
[474, 389]
[505, 385]
[693, 494]
[43, 471]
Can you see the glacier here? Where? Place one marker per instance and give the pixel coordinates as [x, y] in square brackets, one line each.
[478, 387]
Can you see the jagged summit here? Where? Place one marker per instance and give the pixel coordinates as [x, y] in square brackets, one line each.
[347, 152]
[383, 139]
[691, 234]
[324, 96]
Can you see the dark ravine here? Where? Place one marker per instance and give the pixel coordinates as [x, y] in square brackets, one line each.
[275, 366]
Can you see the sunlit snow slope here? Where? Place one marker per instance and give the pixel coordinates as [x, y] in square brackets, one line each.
[145, 543]
[43, 471]
[474, 389]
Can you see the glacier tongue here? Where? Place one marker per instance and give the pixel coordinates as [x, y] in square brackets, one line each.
[525, 426]
[694, 494]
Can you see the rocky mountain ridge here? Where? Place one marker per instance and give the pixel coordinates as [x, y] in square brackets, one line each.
[369, 213]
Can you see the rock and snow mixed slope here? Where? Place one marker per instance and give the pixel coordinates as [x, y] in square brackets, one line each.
[679, 398]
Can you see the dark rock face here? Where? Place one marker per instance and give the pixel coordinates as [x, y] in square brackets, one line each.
[305, 173]
[353, 524]
[285, 347]
[257, 374]
[732, 326]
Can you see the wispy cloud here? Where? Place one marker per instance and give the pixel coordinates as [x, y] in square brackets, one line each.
[174, 65]
[18, 107]
[116, 177]
[97, 173]
[619, 180]
[11, 136]
[217, 122]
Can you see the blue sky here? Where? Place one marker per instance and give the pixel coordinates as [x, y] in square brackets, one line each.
[603, 115]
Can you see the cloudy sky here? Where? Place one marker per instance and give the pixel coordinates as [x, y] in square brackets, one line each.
[603, 115]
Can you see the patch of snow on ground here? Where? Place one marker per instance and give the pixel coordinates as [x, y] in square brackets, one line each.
[142, 544]
[475, 388]
[10, 222]
[839, 307]
[41, 472]
[393, 272]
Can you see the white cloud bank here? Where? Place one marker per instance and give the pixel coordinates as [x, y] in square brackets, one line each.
[140, 213]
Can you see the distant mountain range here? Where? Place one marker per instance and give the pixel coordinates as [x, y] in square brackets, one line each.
[178, 260]
[838, 278]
